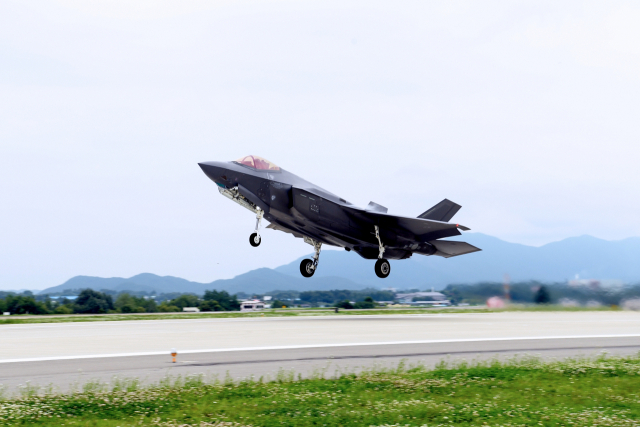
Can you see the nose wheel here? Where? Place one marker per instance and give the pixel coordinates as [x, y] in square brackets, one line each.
[255, 238]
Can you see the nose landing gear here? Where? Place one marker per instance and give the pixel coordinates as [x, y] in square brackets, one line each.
[255, 238]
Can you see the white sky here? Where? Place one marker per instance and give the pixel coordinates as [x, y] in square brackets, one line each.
[526, 113]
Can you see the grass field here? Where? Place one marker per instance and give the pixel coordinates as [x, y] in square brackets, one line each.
[526, 391]
[18, 319]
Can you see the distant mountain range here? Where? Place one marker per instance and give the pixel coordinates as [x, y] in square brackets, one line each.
[255, 281]
[586, 256]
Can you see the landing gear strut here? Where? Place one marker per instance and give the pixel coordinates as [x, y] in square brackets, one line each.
[255, 238]
[382, 268]
[308, 266]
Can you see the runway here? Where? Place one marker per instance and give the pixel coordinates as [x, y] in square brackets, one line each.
[66, 353]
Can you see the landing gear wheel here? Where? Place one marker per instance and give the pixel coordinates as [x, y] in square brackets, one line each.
[306, 268]
[383, 268]
[255, 240]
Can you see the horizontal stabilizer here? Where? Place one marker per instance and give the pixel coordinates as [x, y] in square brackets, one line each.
[449, 248]
[443, 211]
[373, 206]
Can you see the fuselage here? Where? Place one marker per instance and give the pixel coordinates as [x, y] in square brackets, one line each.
[293, 204]
[274, 191]
[296, 206]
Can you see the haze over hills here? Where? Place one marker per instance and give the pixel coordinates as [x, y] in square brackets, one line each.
[586, 256]
[255, 281]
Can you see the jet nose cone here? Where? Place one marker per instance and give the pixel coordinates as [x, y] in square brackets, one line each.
[212, 170]
[206, 168]
[203, 166]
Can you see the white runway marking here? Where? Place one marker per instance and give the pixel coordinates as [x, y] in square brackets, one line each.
[294, 347]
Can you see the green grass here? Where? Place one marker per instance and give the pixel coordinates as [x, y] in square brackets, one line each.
[18, 319]
[582, 392]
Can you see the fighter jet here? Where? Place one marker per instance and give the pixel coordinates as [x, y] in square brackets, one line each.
[296, 206]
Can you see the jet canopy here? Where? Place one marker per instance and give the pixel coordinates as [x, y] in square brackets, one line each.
[257, 163]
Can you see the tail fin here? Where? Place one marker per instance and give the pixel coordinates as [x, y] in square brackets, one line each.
[443, 211]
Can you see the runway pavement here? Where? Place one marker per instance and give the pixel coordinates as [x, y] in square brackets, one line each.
[67, 353]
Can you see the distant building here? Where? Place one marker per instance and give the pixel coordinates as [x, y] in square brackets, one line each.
[595, 284]
[251, 305]
[568, 302]
[425, 296]
[586, 283]
[631, 304]
[423, 299]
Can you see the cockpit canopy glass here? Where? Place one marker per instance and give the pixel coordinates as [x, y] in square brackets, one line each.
[257, 163]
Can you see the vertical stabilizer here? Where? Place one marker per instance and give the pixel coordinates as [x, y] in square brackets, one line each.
[443, 211]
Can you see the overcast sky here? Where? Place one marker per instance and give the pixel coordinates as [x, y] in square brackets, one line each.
[525, 113]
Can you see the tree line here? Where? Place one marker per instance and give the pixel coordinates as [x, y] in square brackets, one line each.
[94, 302]
[332, 297]
[336, 295]
[540, 293]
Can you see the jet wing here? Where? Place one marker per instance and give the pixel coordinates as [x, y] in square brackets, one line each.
[419, 229]
[449, 248]
[399, 229]
[396, 230]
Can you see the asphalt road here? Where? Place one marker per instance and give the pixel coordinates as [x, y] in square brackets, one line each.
[75, 353]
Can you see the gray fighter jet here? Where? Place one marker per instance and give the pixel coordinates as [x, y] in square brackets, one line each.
[307, 211]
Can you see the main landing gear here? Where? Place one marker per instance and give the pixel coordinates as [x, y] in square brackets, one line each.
[383, 268]
[308, 266]
[255, 238]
